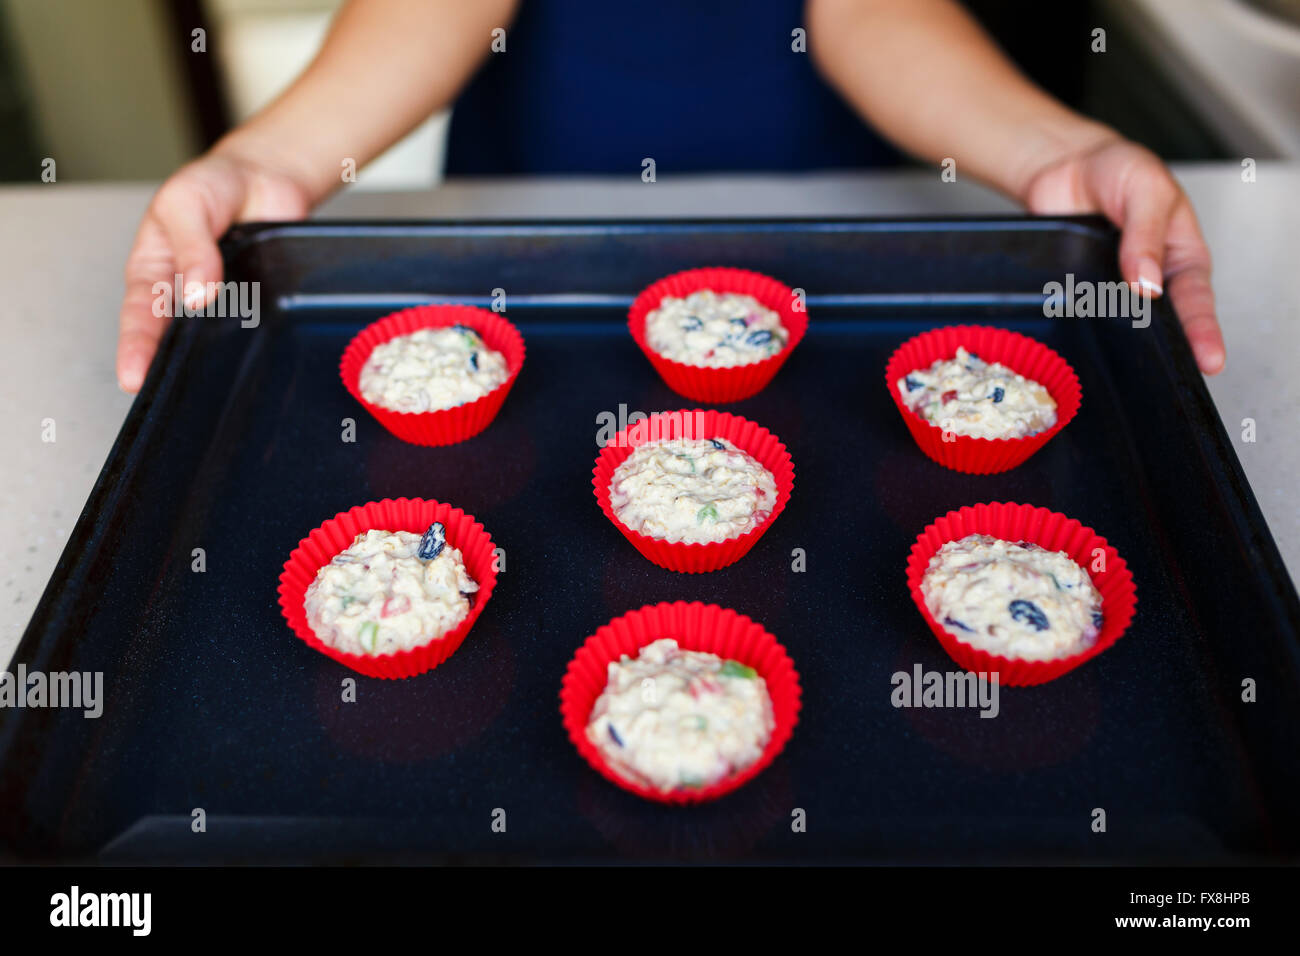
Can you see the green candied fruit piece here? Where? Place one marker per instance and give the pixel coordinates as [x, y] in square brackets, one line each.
[347, 600]
[737, 669]
[708, 511]
[689, 460]
[368, 634]
[692, 783]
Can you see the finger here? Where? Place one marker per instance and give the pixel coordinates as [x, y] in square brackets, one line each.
[1149, 201]
[139, 329]
[1187, 259]
[1193, 300]
[193, 214]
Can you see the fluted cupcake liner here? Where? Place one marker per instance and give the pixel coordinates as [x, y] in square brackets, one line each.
[749, 437]
[399, 514]
[450, 425]
[1048, 529]
[716, 385]
[1021, 354]
[695, 627]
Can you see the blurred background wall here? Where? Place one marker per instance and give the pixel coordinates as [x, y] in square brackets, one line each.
[92, 84]
[113, 91]
[263, 44]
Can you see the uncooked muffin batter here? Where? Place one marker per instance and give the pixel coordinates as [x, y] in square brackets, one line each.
[432, 369]
[1014, 600]
[692, 490]
[390, 591]
[715, 331]
[671, 718]
[968, 396]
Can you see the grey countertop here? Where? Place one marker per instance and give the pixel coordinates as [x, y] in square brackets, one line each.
[62, 247]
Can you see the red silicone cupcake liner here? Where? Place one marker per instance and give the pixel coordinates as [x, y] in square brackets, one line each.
[450, 425]
[719, 384]
[400, 514]
[1048, 529]
[695, 627]
[749, 437]
[1021, 354]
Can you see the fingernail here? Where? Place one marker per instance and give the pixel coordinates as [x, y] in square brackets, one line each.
[130, 378]
[1149, 276]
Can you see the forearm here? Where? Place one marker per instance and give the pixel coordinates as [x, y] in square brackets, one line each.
[925, 75]
[385, 67]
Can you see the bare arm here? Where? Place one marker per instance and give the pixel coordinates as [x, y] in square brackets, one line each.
[384, 68]
[928, 77]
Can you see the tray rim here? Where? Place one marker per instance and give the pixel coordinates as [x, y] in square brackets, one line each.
[241, 235]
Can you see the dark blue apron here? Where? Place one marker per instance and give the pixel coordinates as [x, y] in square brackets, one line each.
[597, 86]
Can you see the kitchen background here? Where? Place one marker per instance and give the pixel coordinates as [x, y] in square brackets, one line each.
[1192, 79]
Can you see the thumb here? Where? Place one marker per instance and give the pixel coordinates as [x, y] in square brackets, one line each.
[193, 216]
[1148, 205]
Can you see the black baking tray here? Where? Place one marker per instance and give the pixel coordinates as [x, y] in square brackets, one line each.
[234, 445]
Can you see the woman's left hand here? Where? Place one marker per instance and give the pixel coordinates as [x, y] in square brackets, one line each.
[1161, 247]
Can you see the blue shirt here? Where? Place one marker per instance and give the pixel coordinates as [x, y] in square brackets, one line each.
[598, 86]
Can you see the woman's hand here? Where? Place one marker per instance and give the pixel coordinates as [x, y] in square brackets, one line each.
[179, 236]
[1161, 246]
[926, 74]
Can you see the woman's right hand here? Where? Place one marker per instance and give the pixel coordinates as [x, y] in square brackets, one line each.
[179, 236]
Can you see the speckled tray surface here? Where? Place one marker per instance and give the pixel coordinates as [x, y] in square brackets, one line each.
[234, 446]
